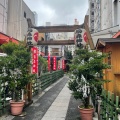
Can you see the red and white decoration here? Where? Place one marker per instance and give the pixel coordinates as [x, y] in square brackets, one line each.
[34, 51]
[48, 61]
[54, 63]
[63, 64]
[32, 37]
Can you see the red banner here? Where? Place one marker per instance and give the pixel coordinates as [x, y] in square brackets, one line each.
[63, 64]
[34, 51]
[54, 63]
[48, 61]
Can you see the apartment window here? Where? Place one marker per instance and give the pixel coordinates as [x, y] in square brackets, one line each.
[92, 13]
[92, 5]
[24, 14]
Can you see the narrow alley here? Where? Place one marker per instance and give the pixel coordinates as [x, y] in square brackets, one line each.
[52, 104]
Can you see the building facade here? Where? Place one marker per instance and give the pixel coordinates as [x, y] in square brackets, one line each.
[3, 16]
[18, 12]
[97, 15]
[106, 14]
[91, 14]
[106, 18]
[116, 11]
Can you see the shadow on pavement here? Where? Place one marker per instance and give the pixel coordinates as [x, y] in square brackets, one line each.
[73, 112]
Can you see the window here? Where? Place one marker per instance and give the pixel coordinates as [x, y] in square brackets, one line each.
[109, 58]
[92, 5]
[24, 14]
[92, 13]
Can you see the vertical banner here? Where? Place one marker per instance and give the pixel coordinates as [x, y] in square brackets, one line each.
[63, 64]
[54, 63]
[34, 51]
[48, 61]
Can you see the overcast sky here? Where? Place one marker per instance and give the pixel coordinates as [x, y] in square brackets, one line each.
[59, 11]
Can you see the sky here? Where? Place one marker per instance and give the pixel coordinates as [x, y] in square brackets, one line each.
[58, 11]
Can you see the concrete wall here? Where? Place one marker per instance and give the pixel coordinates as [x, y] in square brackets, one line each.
[106, 14]
[106, 33]
[18, 11]
[97, 16]
[3, 15]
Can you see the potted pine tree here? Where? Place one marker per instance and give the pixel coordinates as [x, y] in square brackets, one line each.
[86, 76]
[16, 74]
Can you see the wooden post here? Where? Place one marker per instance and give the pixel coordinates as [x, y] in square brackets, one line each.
[90, 41]
[30, 84]
[30, 92]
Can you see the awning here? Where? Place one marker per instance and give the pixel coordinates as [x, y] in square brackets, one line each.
[116, 35]
[103, 41]
[5, 39]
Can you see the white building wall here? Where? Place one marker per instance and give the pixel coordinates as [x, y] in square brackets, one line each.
[110, 19]
[17, 22]
[116, 15]
[106, 14]
[97, 16]
[3, 15]
[36, 18]
[71, 47]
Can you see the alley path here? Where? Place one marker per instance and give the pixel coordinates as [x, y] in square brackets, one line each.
[47, 106]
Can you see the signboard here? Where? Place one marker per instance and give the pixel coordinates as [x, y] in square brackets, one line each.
[80, 37]
[34, 51]
[32, 37]
[54, 63]
[48, 61]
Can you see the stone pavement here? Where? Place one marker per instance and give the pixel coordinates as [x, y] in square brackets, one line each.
[55, 103]
[58, 109]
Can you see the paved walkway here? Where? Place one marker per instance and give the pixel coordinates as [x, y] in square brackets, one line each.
[55, 103]
[59, 107]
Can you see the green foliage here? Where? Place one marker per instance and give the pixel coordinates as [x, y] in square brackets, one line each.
[86, 73]
[14, 68]
[68, 55]
[42, 64]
